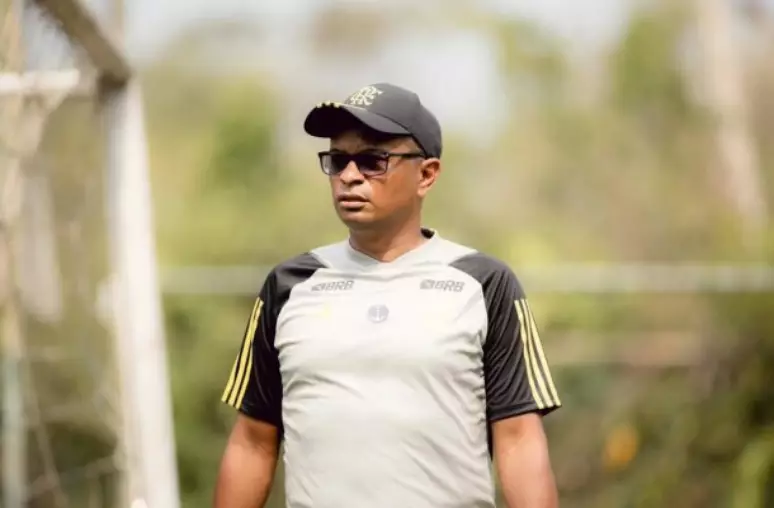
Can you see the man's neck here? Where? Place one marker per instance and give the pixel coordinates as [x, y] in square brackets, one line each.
[387, 246]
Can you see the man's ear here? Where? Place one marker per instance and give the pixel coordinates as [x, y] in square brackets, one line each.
[428, 174]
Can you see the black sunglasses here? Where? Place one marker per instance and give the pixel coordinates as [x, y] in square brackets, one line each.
[369, 163]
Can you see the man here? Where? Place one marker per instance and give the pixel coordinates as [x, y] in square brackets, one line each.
[395, 364]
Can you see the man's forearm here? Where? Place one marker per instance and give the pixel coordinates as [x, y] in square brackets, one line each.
[526, 476]
[245, 478]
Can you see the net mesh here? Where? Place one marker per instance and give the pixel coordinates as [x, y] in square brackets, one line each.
[57, 349]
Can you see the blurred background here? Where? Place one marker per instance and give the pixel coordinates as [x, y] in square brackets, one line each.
[618, 154]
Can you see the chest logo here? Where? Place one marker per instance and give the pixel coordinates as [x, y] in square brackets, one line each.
[378, 313]
[442, 285]
[339, 285]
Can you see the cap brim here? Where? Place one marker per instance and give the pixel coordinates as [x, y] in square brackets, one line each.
[331, 119]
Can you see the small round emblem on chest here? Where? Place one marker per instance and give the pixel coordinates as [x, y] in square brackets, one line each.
[378, 313]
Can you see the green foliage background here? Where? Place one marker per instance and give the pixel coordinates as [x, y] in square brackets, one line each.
[625, 176]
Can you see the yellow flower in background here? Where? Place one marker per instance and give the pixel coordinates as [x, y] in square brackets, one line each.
[621, 447]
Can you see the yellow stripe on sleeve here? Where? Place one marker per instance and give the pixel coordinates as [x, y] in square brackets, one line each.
[240, 363]
[544, 395]
[541, 357]
[230, 383]
[249, 369]
[524, 332]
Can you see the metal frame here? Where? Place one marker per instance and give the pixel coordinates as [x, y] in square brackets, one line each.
[80, 24]
[136, 300]
[29, 84]
[672, 349]
[147, 435]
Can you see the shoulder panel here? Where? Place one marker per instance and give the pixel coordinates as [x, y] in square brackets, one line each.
[489, 271]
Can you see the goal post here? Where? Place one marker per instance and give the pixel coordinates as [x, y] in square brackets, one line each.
[81, 26]
[136, 300]
[52, 51]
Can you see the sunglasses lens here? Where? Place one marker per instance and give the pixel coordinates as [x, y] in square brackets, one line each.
[339, 162]
[370, 164]
[367, 163]
[333, 163]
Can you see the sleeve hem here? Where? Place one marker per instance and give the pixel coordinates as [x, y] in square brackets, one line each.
[520, 409]
[255, 414]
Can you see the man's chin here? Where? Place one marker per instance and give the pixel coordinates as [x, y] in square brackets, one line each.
[356, 219]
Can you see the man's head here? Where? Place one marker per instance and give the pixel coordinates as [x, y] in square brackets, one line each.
[383, 157]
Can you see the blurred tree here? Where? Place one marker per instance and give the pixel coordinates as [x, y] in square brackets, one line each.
[607, 167]
[647, 80]
[625, 175]
[245, 155]
[579, 171]
[356, 31]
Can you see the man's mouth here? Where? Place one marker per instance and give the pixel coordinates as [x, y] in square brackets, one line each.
[351, 200]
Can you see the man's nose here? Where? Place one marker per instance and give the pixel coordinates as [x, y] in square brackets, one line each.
[351, 174]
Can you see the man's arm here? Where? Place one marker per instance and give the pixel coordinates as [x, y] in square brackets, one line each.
[254, 388]
[248, 465]
[519, 391]
[523, 464]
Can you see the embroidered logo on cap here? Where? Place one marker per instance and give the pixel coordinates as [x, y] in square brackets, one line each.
[365, 96]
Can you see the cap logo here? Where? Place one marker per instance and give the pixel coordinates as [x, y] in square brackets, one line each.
[364, 97]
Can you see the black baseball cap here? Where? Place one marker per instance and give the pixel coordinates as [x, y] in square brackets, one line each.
[384, 108]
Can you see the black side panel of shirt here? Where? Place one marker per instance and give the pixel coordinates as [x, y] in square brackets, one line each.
[510, 374]
[263, 395]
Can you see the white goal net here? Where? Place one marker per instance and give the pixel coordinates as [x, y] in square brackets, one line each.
[74, 429]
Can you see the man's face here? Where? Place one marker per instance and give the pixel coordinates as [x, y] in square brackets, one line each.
[364, 200]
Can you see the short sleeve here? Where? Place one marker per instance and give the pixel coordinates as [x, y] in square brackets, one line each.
[516, 372]
[255, 386]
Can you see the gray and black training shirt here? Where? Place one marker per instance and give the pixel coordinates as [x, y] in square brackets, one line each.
[384, 378]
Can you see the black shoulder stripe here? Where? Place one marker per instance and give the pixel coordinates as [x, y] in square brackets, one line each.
[294, 271]
[488, 271]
